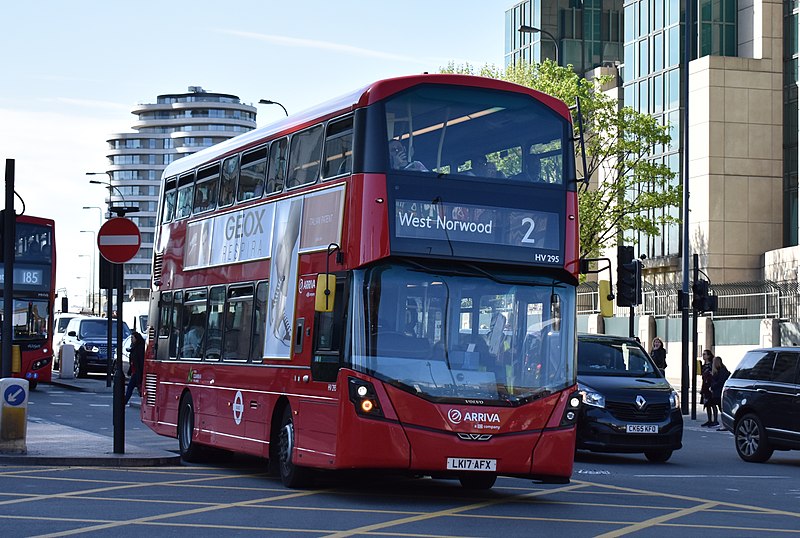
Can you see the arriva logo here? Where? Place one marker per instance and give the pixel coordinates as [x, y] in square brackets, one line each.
[456, 417]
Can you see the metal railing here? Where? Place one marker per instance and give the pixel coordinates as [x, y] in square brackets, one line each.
[737, 300]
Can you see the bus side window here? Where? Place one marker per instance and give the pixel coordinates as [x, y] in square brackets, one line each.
[252, 174]
[205, 192]
[163, 331]
[338, 157]
[216, 310]
[328, 329]
[276, 172]
[304, 157]
[175, 325]
[194, 331]
[259, 322]
[185, 194]
[230, 173]
[168, 211]
[238, 323]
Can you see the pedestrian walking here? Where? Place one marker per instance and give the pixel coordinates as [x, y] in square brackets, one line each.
[705, 391]
[659, 355]
[136, 365]
[719, 374]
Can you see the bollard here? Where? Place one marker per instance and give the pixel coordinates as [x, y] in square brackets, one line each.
[13, 415]
[67, 362]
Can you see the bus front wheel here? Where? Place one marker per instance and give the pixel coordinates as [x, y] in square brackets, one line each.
[189, 449]
[292, 476]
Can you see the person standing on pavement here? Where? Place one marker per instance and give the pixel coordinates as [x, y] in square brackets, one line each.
[136, 356]
[719, 375]
[659, 355]
[705, 390]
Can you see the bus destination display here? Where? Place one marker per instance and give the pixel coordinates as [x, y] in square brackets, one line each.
[528, 229]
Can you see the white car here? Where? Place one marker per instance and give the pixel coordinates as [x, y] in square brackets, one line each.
[60, 322]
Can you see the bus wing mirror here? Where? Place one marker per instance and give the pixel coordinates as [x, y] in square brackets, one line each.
[326, 293]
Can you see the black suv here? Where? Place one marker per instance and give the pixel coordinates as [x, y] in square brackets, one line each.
[89, 337]
[628, 405]
[761, 403]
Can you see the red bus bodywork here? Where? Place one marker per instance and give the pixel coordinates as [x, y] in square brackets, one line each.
[241, 407]
[34, 294]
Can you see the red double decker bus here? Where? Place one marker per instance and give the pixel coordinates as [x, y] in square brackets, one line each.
[387, 281]
[33, 297]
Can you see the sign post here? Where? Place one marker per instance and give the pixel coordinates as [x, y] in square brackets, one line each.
[118, 241]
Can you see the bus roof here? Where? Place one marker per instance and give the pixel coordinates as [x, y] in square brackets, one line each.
[357, 99]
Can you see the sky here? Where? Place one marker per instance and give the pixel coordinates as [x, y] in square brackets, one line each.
[71, 72]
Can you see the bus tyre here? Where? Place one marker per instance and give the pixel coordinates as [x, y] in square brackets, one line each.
[292, 476]
[189, 449]
[477, 480]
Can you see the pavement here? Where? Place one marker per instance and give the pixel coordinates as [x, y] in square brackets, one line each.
[49, 443]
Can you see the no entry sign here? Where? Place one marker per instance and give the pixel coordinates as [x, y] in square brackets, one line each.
[118, 240]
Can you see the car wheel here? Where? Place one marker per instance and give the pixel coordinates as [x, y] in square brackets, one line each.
[292, 476]
[477, 480]
[190, 451]
[658, 456]
[32, 385]
[751, 439]
[79, 366]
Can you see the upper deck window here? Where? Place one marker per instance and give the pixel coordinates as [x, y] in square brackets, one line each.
[276, 172]
[34, 243]
[205, 192]
[304, 157]
[477, 132]
[170, 194]
[185, 194]
[252, 174]
[338, 158]
[230, 176]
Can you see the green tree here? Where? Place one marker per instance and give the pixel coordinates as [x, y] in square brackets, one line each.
[631, 190]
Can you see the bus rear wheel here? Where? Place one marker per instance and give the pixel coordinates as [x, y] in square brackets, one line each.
[189, 449]
[292, 476]
[477, 480]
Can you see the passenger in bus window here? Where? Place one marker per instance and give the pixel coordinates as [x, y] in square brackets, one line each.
[531, 168]
[399, 158]
[482, 167]
[193, 338]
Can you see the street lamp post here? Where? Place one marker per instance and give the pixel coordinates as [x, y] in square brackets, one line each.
[525, 29]
[90, 294]
[94, 266]
[268, 102]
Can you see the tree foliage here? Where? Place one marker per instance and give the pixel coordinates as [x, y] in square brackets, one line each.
[630, 189]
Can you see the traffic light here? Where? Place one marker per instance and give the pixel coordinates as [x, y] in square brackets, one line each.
[629, 277]
[701, 300]
[699, 294]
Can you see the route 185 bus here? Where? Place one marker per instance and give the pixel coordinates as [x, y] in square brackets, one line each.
[34, 294]
[384, 282]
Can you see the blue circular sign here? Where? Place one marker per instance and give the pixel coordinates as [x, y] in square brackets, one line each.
[14, 395]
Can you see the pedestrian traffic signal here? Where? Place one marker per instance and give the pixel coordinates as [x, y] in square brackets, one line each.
[629, 277]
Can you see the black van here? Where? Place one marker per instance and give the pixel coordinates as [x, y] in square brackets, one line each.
[761, 403]
[628, 406]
